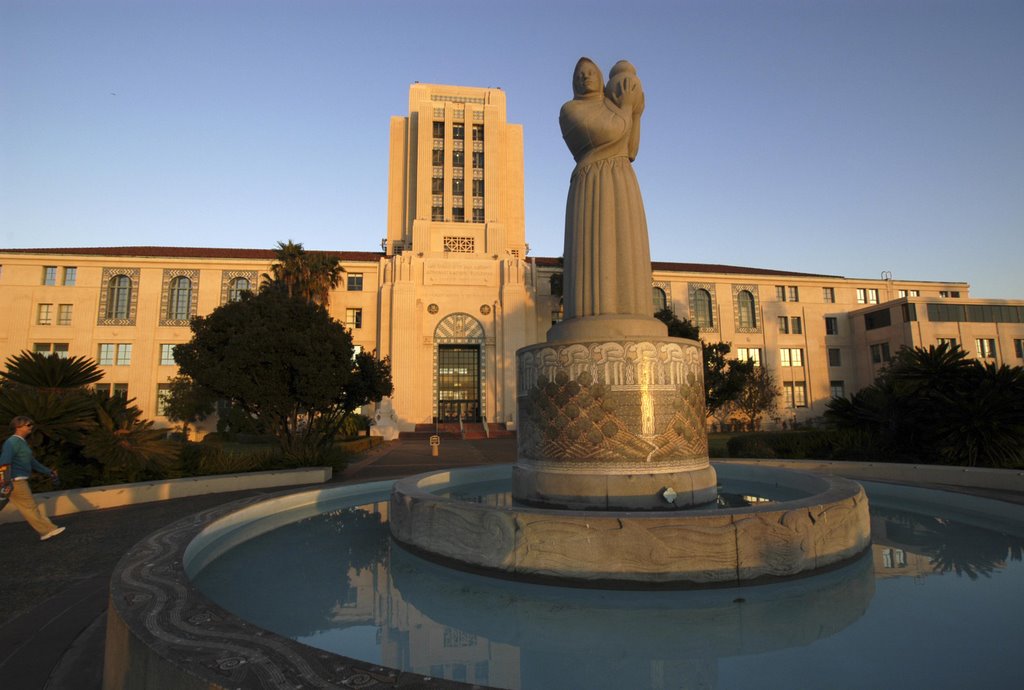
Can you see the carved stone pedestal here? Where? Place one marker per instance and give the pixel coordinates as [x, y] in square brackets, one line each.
[612, 425]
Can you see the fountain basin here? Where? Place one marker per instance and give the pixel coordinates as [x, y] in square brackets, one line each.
[825, 524]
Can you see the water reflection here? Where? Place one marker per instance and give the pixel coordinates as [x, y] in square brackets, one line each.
[337, 582]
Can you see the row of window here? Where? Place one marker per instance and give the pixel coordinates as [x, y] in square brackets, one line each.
[179, 298]
[68, 275]
[458, 131]
[703, 311]
[44, 314]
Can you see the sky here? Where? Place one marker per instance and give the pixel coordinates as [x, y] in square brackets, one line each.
[846, 137]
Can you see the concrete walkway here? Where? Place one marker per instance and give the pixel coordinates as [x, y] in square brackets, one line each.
[54, 594]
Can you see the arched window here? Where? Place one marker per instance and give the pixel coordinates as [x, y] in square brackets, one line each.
[179, 300]
[236, 287]
[703, 314]
[659, 299]
[119, 297]
[745, 302]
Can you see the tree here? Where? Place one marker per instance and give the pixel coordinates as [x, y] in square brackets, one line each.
[304, 275]
[759, 397]
[936, 404]
[188, 403]
[678, 328]
[724, 379]
[285, 362]
[84, 434]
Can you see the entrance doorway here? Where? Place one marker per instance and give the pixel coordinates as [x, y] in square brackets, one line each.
[458, 383]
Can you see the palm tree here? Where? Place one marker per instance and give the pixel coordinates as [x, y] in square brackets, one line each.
[306, 275]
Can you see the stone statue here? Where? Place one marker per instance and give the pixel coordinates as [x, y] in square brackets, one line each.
[607, 254]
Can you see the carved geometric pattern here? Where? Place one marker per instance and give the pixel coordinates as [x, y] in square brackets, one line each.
[165, 295]
[133, 299]
[752, 289]
[227, 276]
[605, 403]
[459, 244]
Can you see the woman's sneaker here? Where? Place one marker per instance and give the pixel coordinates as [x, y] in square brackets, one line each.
[52, 533]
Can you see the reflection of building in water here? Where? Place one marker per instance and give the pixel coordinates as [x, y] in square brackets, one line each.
[438, 622]
[914, 545]
[410, 640]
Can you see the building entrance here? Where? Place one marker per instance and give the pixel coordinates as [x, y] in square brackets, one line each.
[458, 383]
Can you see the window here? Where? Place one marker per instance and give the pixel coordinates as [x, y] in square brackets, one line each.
[44, 314]
[478, 132]
[437, 213]
[796, 325]
[749, 354]
[880, 353]
[792, 357]
[115, 354]
[837, 389]
[459, 214]
[458, 186]
[658, 299]
[49, 275]
[354, 282]
[458, 159]
[438, 130]
[354, 318]
[478, 187]
[909, 311]
[780, 293]
[59, 349]
[949, 293]
[437, 185]
[478, 159]
[478, 215]
[796, 393]
[910, 293]
[179, 298]
[167, 354]
[835, 359]
[703, 313]
[236, 287]
[986, 347]
[862, 296]
[437, 157]
[872, 296]
[745, 304]
[877, 319]
[1018, 348]
[120, 390]
[119, 297]
[831, 325]
[70, 275]
[951, 342]
[458, 131]
[163, 392]
[828, 295]
[793, 293]
[784, 324]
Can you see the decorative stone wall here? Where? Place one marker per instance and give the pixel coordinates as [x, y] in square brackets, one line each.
[596, 416]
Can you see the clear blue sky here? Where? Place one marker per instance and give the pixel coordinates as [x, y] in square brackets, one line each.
[845, 137]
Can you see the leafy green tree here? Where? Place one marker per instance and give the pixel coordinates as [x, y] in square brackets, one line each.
[759, 397]
[677, 328]
[936, 404]
[188, 403]
[285, 362]
[724, 379]
[87, 436]
[305, 275]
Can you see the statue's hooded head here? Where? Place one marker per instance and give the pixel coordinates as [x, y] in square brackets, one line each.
[587, 79]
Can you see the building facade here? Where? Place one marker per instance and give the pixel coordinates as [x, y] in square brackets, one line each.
[454, 294]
